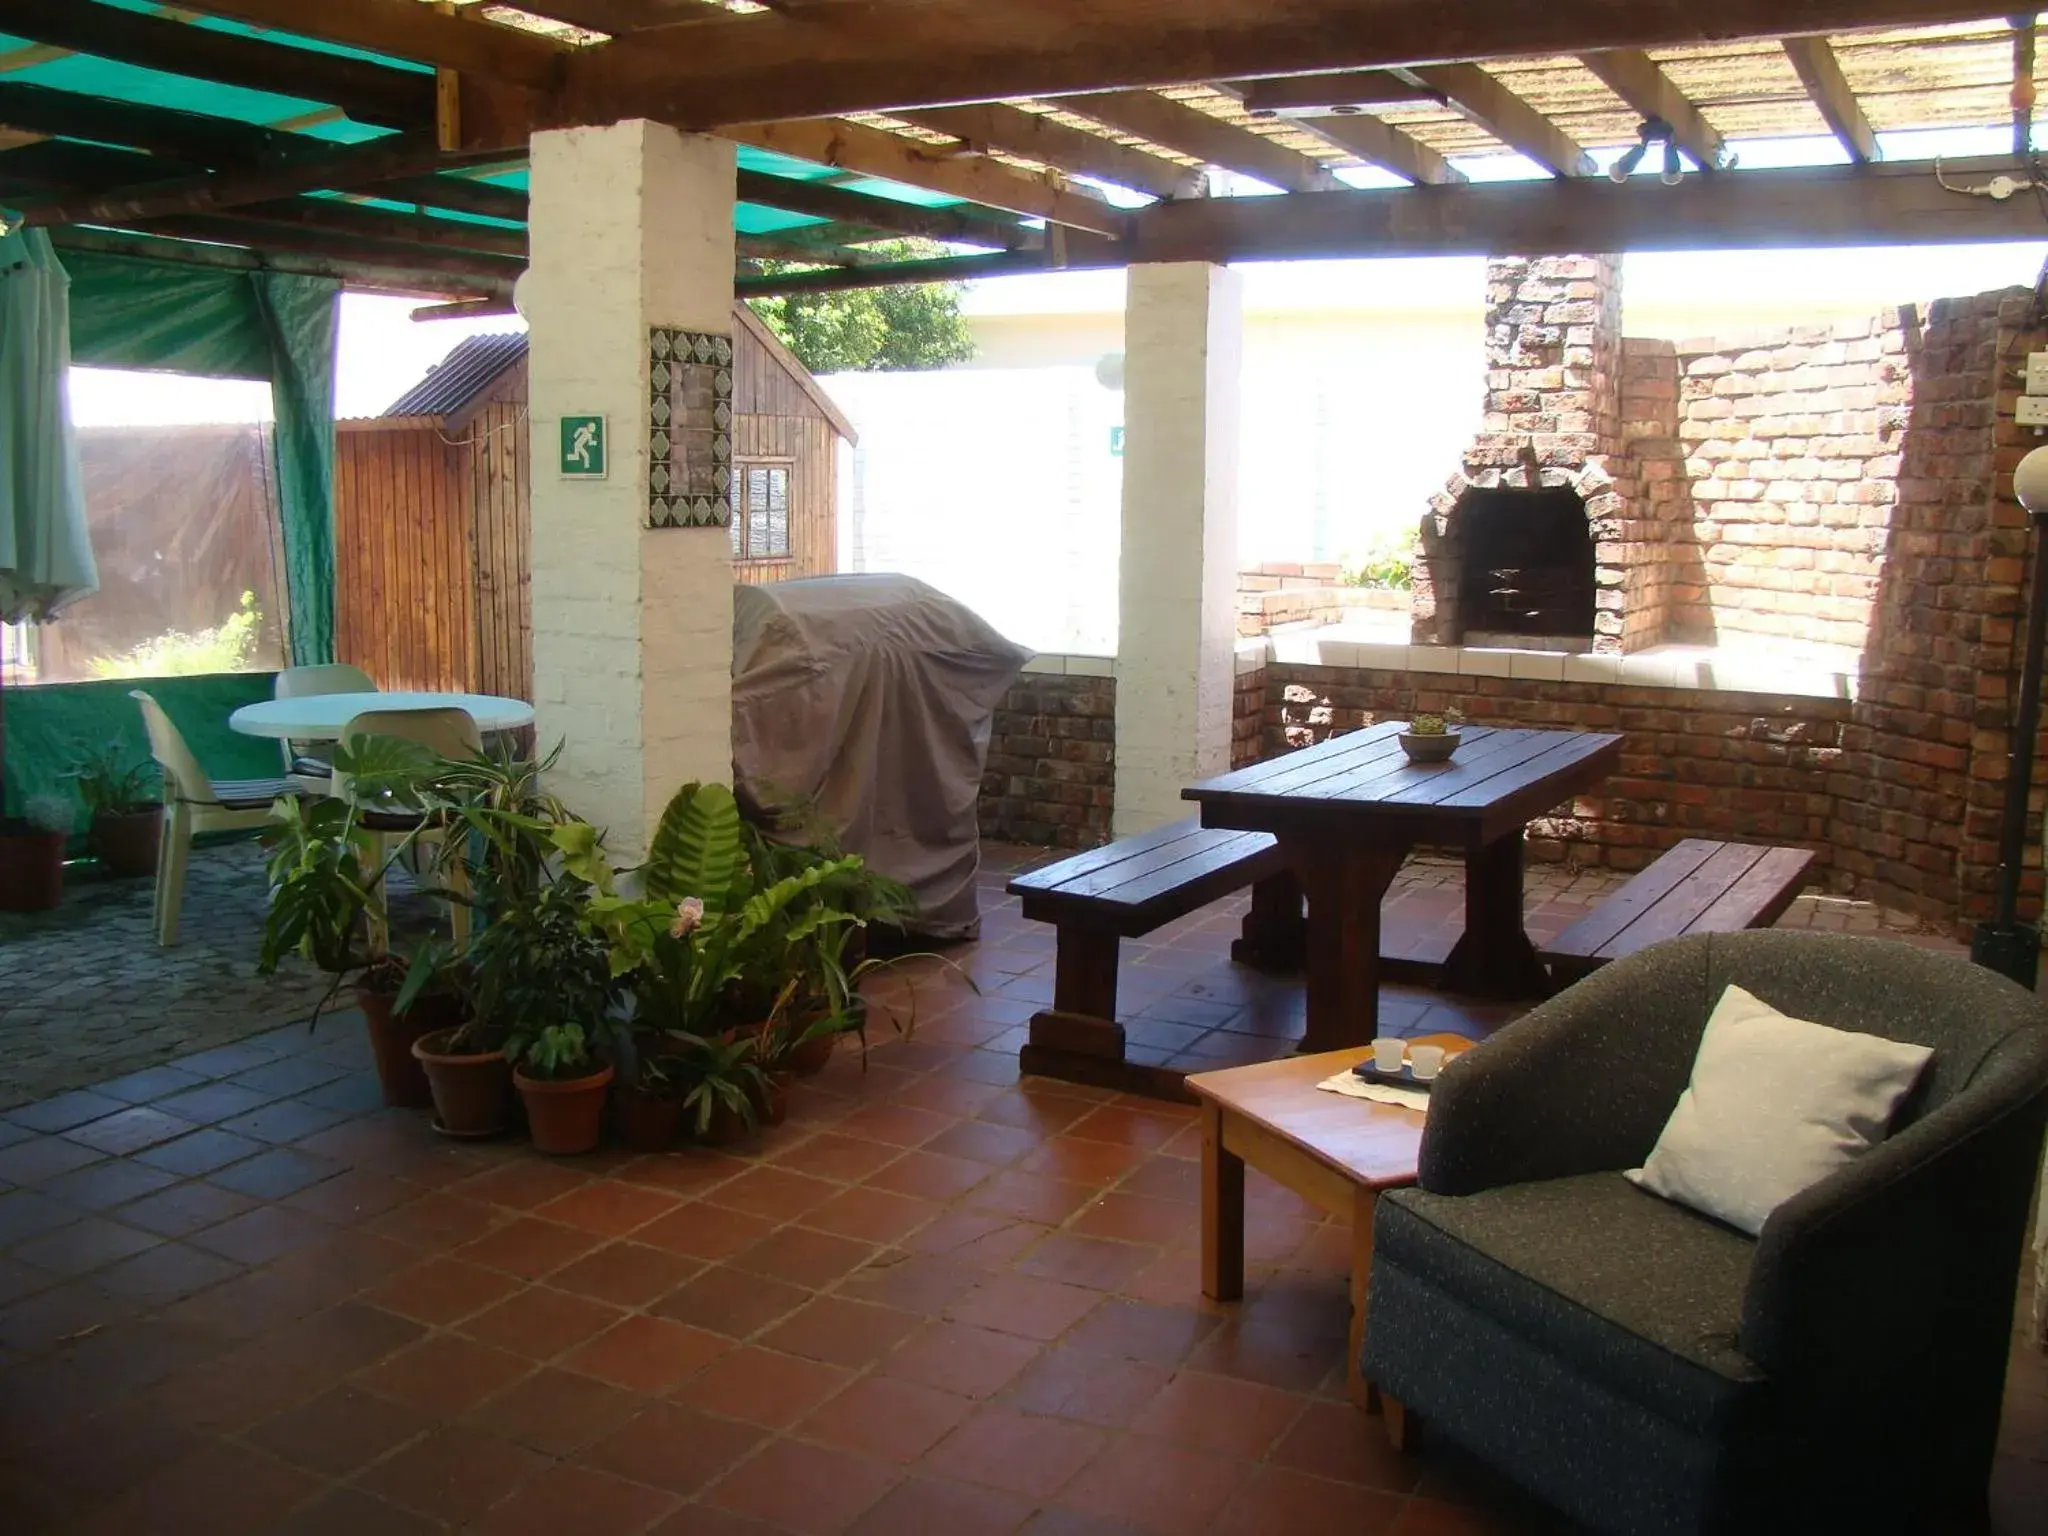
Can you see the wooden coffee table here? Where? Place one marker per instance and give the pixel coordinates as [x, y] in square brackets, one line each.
[1336, 1151]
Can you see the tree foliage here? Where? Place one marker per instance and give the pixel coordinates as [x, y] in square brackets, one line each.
[871, 330]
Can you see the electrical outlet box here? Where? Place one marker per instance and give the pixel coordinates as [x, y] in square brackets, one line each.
[2037, 373]
[2031, 410]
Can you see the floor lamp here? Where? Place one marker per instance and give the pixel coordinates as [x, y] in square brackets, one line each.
[2004, 944]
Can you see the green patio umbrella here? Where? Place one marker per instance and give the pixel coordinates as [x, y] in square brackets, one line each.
[45, 555]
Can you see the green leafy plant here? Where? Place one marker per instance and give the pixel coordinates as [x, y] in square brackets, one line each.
[228, 646]
[560, 1052]
[1387, 563]
[538, 965]
[112, 782]
[699, 851]
[872, 330]
[720, 1073]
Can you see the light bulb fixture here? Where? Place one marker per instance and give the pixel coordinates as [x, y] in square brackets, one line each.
[1652, 130]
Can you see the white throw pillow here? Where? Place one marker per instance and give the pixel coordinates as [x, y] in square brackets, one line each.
[1776, 1104]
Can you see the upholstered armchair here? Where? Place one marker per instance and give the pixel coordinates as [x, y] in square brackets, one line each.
[1646, 1369]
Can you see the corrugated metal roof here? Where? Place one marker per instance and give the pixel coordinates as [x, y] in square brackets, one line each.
[460, 376]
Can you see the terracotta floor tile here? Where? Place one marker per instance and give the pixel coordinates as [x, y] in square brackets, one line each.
[946, 1093]
[702, 1231]
[1091, 1389]
[1137, 1330]
[108, 1453]
[1271, 1357]
[1034, 1309]
[686, 1171]
[540, 1323]
[339, 1431]
[568, 1498]
[528, 1247]
[647, 1354]
[929, 1175]
[701, 1519]
[732, 1301]
[161, 1275]
[1057, 1521]
[955, 1357]
[555, 1412]
[523, 1184]
[609, 1208]
[1335, 1440]
[438, 1221]
[1001, 1448]
[1027, 1107]
[1278, 1502]
[829, 1155]
[1128, 1125]
[453, 1474]
[442, 1290]
[772, 1192]
[1140, 1218]
[988, 1240]
[810, 1488]
[762, 1386]
[887, 1418]
[222, 1490]
[911, 1282]
[626, 1273]
[1030, 1196]
[896, 1125]
[1156, 1487]
[351, 1512]
[938, 1507]
[1100, 1263]
[840, 1332]
[803, 1257]
[1221, 1415]
[444, 1376]
[985, 1141]
[1082, 1161]
[870, 1215]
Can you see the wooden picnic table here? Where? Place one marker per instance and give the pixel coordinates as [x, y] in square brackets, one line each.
[1347, 812]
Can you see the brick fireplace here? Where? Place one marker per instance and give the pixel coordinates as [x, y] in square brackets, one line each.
[1528, 545]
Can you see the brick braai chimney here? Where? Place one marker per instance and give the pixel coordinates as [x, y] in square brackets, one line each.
[1553, 390]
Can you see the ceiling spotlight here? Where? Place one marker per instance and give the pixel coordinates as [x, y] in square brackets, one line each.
[1653, 130]
[1674, 168]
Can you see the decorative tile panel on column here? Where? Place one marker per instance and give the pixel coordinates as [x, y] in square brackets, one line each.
[689, 429]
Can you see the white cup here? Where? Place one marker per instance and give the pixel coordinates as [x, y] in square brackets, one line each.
[1426, 1060]
[1386, 1053]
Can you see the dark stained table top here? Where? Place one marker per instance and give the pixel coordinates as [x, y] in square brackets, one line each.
[1362, 784]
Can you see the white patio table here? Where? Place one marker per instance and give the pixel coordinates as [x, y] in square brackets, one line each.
[323, 716]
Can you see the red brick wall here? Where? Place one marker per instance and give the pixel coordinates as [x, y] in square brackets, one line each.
[1051, 767]
[1248, 718]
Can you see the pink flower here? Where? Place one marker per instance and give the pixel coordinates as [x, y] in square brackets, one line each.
[689, 913]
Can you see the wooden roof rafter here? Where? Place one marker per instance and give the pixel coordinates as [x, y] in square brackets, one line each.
[1821, 73]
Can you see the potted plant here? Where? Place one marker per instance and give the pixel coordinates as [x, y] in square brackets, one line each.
[563, 1083]
[32, 854]
[543, 975]
[723, 1087]
[123, 807]
[647, 1103]
[1430, 739]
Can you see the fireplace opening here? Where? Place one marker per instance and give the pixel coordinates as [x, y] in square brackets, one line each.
[1525, 568]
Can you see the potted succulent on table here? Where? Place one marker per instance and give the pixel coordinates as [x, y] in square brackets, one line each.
[1430, 738]
[32, 854]
[123, 806]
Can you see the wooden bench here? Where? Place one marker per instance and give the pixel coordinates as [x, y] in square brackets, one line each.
[1097, 899]
[1698, 887]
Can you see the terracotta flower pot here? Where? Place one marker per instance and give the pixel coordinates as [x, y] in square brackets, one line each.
[127, 845]
[565, 1117]
[31, 867]
[771, 1098]
[812, 1056]
[646, 1122]
[727, 1126]
[472, 1091]
[400, 1072]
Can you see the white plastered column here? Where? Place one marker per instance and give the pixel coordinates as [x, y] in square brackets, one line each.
[632, 626]
[1177, 587]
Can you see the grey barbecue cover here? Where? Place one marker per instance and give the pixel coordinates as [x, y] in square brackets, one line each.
[872, 696]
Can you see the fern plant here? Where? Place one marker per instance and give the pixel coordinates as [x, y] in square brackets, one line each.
[699, 850]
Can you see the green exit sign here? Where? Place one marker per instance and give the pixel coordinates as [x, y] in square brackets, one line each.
[1116, 442]
[583, 448]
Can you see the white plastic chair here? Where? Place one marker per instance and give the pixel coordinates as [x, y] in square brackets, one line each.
[448, 733]
[194, 803]
[304, 683]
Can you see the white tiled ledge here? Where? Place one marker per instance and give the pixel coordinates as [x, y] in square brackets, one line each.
[1706, 668]
[1058, 665]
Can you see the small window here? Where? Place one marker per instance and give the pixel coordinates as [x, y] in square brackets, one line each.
[760, 512]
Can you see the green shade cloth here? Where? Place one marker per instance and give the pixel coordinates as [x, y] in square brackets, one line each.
[130, 312]
[45, 554]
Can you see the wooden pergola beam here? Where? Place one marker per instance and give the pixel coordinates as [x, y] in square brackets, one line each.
[1483, 99]
[362, 276]
[821, 200]
[485, 273]
[370, 93]
[863, 56]
[459, 193]
[1821, 73]
[942, 269]
[617, 17]
[355, 166]
[1209, 139]
[892, 157]
[790, 247]
[1641, 82]
[1319, 93]
[1382, 144]
[1038, 137]
[406, 29]
[354, 222]
[1747, 210]
[191, 136]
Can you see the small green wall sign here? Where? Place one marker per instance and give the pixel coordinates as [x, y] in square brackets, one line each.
[1116, 442]
[583, 448]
